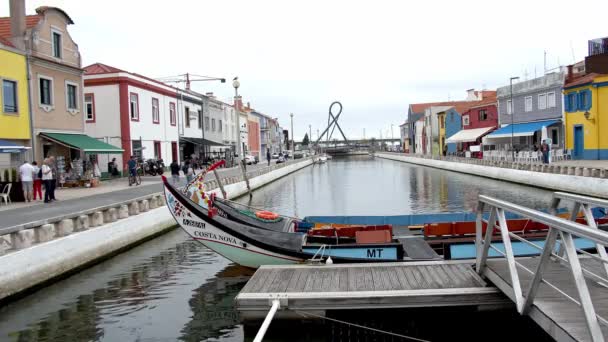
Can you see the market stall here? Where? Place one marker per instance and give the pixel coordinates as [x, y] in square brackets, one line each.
[80, 169]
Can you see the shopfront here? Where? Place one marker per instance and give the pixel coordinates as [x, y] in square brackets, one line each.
[77, 157]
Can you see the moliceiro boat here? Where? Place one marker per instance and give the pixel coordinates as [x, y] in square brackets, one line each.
[251, 240]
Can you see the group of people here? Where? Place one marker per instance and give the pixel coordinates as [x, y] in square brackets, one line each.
[544, 149]
[32, 177]
[187, 169]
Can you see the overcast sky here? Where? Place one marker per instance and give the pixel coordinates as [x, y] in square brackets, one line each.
[375, 57]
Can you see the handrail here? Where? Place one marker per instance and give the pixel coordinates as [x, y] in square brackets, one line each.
[558, 227]
[549, 220]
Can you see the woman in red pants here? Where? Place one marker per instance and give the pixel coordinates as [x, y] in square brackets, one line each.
[37, 181]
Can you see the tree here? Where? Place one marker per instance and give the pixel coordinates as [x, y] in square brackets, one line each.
[306, 140]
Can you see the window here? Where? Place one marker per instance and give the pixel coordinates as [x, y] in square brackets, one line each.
[46, 91]
[155, 111]
[509, 107]
[451, 117]
[483, 115]
[584, 100]
[200, 119]
[551, 100]
[570, 102]
[136, 147]
[134, 106]
[528, 104]
[72, 96]
[89, 107]
[542, 101]
[187, 116]
[172, 116]
[206, 123]
[465, 120]
[157, 153]
[56, 44]
[9, 96]
[213, 125]
[219, 127]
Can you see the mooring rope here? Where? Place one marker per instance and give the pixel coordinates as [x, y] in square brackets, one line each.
[305, 314]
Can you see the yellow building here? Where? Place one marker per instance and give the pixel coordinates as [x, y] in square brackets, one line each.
[442, 146]
[14, 97]
[586, 115]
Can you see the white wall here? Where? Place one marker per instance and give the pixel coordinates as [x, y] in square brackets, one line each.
[215, 112]
[149, 131]
[193, 131]
[107, 121]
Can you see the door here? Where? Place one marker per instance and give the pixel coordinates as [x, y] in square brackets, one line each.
[174, 150]
[579, 142]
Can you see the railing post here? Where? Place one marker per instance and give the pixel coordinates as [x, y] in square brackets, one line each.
[540, 268]
[506, 240]
[601, 251]
[581, 286]
[483, 256]
[273, 309]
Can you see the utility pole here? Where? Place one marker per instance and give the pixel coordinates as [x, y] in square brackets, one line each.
[309, 134]
[237, 106]
[293, 147]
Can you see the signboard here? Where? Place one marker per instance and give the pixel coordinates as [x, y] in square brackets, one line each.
[475, 148]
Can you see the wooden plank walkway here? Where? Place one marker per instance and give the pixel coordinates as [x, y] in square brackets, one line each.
[557, 315]
[365, 286]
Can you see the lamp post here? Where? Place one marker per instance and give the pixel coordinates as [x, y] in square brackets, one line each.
[512, 116]
[392, 137]
[237, 105]
[293, 147]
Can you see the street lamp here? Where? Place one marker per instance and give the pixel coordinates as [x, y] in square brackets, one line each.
[392, 137]
[293, 148]
[512, 107]
[237, 105]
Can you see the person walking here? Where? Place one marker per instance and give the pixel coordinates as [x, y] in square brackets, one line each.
[268, 156]
[544, 149]
[189, 171]
[174, 172]
[47, 179]
[37, 181]
[26, 173]
[53, 165]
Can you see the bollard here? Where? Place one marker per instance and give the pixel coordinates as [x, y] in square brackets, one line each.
[5, 243]
[603, 173]
[123, 212]
[594, 173]
[565, 170]
[133, 208]
[571, 170]
[64, 227]
[81, 223]
[110, 215]
[153, 202]
[585, 172]
[44, 233]
[22, 239]
[162, 201]
[96, 219]
[144, 206]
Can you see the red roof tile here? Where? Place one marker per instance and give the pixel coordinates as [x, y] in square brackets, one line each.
[5, 24]
[488, 96]
[99, 68]
[579, 79]
[6, 42]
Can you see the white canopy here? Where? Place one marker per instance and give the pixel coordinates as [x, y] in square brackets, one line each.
[468, 135]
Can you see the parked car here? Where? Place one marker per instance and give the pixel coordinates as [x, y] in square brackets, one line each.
[249, 159]
[275, 156]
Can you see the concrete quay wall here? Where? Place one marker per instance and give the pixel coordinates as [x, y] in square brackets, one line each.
[578, 184]
[40, 254]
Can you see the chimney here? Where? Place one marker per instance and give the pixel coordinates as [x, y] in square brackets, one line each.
[472, 95]
[569, 76]
[238, 103]
[17, 10]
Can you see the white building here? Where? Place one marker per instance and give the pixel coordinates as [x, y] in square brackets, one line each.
[132, 111]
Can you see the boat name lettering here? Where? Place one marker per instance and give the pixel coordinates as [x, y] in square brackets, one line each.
[371, 253]
[214, 236]
[193, 223]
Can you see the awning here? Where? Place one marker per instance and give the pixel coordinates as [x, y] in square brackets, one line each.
[520, 129]
[9, 147]
[200, 141]
[82, 142]
[468, 135]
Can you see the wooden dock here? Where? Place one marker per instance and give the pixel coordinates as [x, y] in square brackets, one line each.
[557, 315]
[364, 286]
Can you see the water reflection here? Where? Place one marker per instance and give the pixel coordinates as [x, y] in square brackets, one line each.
[367, 186]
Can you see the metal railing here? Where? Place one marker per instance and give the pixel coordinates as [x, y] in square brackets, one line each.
[558, 227]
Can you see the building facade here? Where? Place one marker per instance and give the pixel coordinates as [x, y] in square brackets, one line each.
[536, 114]
[586, 114]
[55, 74]
[136, 113]
[14, 103]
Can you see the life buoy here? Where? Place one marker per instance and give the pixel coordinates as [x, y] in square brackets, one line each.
[267, 215]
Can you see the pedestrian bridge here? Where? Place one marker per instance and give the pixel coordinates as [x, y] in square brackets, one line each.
[565, 289]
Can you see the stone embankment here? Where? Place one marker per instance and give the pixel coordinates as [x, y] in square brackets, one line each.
[37, 252]
[573, 179]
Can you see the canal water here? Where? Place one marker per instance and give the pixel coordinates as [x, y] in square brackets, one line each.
[174, 289]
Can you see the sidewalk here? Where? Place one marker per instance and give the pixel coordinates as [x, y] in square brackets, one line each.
[598, 164]
[70, 200]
